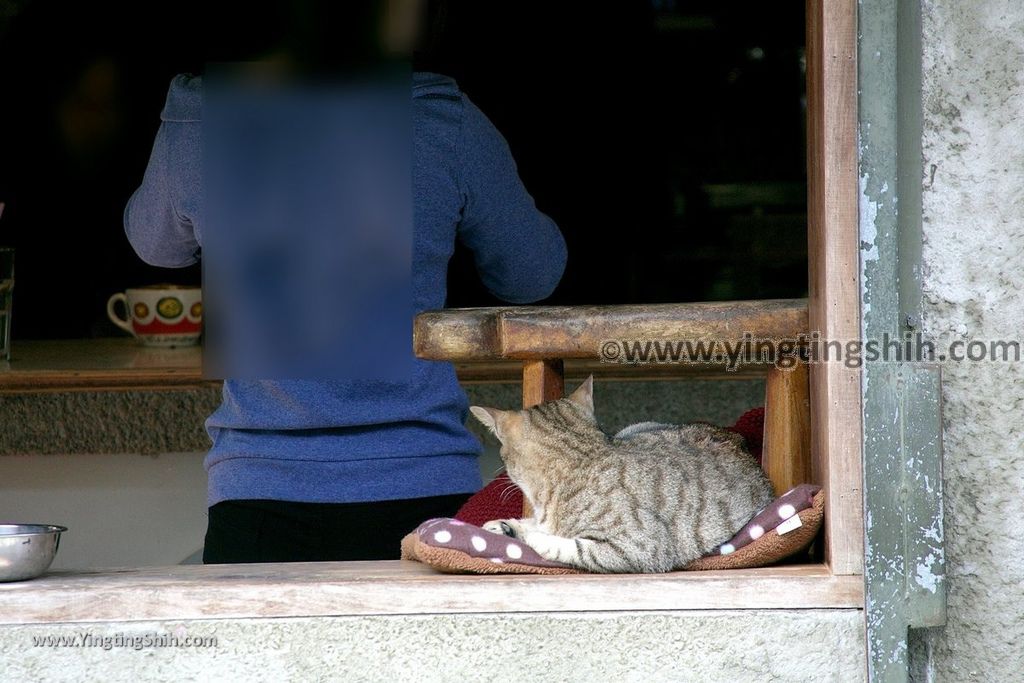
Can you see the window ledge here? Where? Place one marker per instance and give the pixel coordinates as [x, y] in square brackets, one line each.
[401, 587]
[122, 364]
[98, 365]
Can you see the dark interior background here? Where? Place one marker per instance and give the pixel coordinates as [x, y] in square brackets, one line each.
[665, 137]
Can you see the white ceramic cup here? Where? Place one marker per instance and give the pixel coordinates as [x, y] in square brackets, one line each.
[160, 315]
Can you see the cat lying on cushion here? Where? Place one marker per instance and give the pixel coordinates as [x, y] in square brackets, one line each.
[650, 499]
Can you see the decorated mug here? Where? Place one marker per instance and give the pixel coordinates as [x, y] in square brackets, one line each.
[160, 315]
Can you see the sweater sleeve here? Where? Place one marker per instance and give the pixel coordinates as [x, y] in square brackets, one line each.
[519, 251]
[160, 235]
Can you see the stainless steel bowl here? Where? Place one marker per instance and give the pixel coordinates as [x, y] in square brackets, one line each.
[27, 550]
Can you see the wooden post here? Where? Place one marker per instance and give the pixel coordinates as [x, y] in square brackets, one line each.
[543, 380]
[786, 453]
[833, 243]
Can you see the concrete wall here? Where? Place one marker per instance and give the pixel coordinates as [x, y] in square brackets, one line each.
[973, 283]
[727, 646]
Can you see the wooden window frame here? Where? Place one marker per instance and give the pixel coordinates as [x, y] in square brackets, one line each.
[382, 588]
[834, 274]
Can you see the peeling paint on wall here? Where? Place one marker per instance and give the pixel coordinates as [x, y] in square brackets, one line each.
[924, 576]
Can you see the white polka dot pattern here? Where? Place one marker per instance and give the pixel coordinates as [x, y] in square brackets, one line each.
[783, 510]
[477, 542]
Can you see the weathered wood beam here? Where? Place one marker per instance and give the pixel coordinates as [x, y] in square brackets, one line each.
[577, 332]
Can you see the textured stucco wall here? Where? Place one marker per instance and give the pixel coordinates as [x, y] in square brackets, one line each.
[972, 279]
[140, 422]
[738, 646]
[171, 421]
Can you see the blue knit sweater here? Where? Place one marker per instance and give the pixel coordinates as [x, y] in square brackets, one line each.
[353, 441]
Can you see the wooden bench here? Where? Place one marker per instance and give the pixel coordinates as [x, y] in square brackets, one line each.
[543, 337]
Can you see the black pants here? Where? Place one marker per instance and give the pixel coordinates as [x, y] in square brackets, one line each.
[283, 531]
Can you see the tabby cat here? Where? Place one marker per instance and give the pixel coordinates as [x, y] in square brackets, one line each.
[649, 499]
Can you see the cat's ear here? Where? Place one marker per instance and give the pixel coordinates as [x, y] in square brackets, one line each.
[584, 394]
[492, 418]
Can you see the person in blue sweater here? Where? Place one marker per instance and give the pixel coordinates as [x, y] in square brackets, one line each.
[307, 470]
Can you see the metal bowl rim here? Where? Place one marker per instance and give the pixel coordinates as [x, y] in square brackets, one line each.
[38, 530]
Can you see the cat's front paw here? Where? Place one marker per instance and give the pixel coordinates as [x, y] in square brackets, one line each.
[505, 527]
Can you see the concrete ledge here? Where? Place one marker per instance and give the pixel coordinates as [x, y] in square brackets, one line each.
[733, 646]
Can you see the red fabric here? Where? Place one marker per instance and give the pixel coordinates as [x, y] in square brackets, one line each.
[501, 499]
[490, 503]
[751, 427]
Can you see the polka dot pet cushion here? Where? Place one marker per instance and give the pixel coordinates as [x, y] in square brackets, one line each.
[782, 508]
[455, 547]
[784, 528]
